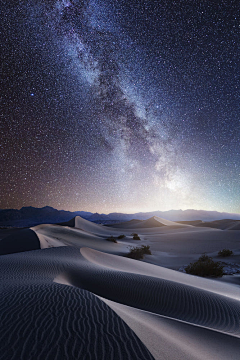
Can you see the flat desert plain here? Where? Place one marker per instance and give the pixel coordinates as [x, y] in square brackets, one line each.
[68, 293]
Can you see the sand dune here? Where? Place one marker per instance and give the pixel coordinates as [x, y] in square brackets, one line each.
[226, 224]
[235, 226]
[169, 298]
[94, 236]
[153, 222]
[22, 240]
[125, 225]
[167, 222]
[173, 339]
[137, 267]
[91, 227]
[78, 298]
[44, 320]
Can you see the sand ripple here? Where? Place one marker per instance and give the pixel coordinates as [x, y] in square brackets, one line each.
[41, 318]
[45, 320]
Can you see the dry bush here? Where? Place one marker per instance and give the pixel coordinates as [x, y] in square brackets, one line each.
[112, 239]
[225, 252]
[135, 236]
[138, 252]
[205, 266]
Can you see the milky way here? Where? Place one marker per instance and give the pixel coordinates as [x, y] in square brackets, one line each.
[120, 106]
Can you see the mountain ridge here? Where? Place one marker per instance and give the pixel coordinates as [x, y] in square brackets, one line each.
[30, 216]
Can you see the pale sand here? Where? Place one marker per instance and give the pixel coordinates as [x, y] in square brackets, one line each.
[79, 298]
[55, 235]
[138, 267]
[168, 338]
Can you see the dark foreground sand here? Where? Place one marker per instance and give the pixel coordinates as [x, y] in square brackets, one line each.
[78, 298]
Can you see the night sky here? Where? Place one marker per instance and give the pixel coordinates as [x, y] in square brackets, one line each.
[120, 105]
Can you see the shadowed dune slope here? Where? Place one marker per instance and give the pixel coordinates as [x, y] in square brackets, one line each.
[125, 224]
[168, 298]
[191, 222]
[123, 264]
[153, 222]
[45, 320]
[22, 240]
[168, 222]
[225, 224]
[70, 223]
[172, 339]
[235, 226]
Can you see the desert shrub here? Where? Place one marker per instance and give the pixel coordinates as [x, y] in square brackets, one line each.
[138, 252]
[205, 266]
[112, 239]
[203, 257]
[225, 252]
[121, 237]
[135, 236]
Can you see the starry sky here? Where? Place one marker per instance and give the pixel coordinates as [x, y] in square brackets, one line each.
[121, 105]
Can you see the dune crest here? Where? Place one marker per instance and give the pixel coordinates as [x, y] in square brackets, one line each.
[136, 267]
[168, 338]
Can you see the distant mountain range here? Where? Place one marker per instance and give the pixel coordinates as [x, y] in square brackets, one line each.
[173, 215]
[30, 216]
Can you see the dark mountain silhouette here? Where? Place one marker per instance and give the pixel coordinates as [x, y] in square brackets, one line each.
[30, 216]
[99, 217]
[177, 215]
